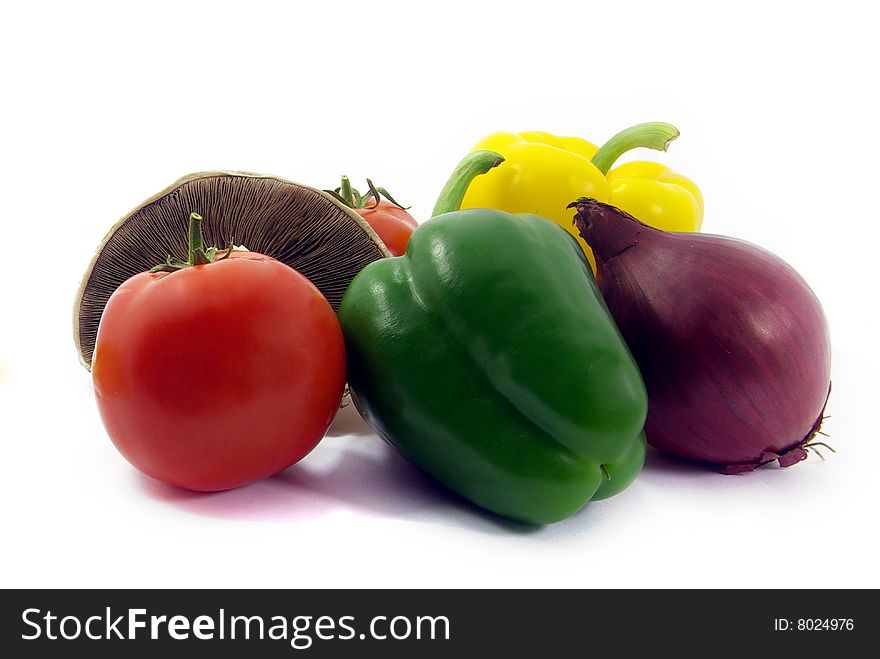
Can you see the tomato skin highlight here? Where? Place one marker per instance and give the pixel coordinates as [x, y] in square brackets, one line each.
[393, 224]
[218, 375]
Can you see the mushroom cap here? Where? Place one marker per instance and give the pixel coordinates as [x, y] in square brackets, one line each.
[300, 226]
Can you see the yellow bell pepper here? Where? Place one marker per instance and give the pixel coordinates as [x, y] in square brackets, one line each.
[543, 173]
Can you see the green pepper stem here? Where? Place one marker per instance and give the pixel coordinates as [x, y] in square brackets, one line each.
[653, 135]
[197, 254]
[471, 166]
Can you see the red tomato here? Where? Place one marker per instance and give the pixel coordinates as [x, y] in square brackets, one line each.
[217, 375]
[393, 224]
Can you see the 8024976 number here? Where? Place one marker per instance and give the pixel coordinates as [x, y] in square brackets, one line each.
[825, 624]
[814, 624]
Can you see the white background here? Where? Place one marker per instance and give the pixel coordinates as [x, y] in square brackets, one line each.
[104, 105]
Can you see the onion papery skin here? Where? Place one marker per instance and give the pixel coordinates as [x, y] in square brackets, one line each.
[732, 343]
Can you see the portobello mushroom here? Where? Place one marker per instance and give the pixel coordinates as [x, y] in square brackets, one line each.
[300, 226]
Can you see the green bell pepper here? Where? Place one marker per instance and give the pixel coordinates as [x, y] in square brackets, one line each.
[487, 357]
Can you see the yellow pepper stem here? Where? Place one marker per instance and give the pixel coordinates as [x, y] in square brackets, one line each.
[471, 166]
[652, 135]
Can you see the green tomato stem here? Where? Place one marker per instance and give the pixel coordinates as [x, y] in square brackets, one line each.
[197, 255]
[653, 135]
[471, 166]
[345, 191]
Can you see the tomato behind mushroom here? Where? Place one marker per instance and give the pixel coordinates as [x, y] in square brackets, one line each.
[393, 224]
[391, 221]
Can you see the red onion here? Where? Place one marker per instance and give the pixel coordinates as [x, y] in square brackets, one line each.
[731, 342]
